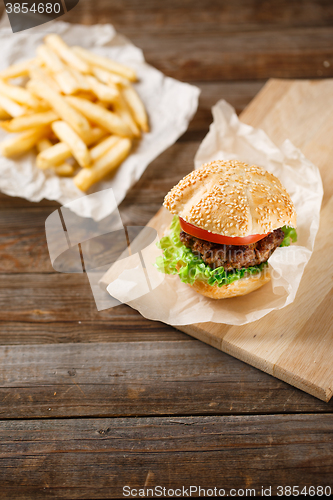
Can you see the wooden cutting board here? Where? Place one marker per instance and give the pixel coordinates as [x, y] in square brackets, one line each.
[294, 344]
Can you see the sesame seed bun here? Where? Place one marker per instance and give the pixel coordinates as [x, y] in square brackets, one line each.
[240, 287]
[232, 198]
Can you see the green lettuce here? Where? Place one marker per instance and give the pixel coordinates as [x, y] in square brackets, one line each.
[290, 236]
[192, 266]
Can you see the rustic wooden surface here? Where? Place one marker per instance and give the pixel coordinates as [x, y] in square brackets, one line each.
[91, 401]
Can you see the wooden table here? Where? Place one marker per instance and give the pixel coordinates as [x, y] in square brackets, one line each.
[93, 401]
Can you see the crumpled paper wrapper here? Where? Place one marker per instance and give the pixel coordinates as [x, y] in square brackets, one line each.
[173, 302]
[170, 105]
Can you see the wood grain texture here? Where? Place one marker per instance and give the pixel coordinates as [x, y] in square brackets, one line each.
[46, 298]
[228, 49]
[293, 53]
[120, 327]
[23, 246]
[281, 342]
[228, 40]
[176, 18]
[173, 17]
[95, 458]
[302, 113]
[179, 376]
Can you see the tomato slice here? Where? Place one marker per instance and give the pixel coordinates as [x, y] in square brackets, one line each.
[202, 234]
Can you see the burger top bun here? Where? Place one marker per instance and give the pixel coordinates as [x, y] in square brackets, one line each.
[232, 198]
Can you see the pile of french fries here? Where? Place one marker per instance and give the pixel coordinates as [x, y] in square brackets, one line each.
[77, 109]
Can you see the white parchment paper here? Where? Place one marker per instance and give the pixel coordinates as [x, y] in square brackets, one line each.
[170, 105]
[174, 302]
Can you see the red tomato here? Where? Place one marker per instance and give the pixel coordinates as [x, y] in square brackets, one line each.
[202, 234]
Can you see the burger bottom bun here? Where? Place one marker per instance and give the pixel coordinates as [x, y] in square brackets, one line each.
[242, 286]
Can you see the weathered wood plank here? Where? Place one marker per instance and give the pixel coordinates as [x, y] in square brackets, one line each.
[17, 202]
[46, 298]
[23, 247]
[95, 458]
[88, 458]
[292, 53]
[138, 378]
[308, 127]
[193, 15]
[246, 41]
[238, 93]
[243, 40]
[121, 327]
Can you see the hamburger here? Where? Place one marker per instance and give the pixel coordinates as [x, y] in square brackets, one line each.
[229, 218]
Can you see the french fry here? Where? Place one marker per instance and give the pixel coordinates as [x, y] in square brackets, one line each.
[74, 118]
[94, 135]
[21, 143]
[104, 104]
[122, 109]
[87, 94]
[102, 75]
[103, 147]
[78, 98]
[44, 144]
[58, 153]
[102, 92]
[108, 78]
[80, 80]
[105, 63]
[66, 53]
[16, 70]
[4, 115]
[103, 166]
[42, 107]
[38, 73]
[60, 72]
[100, 116]
[136, 106]
[67, 135]
[50, 59]
[66, 82]
[11, 107]
[52, 156]
[64, 169]
[18, 94]
[29, 121]
[114, 79]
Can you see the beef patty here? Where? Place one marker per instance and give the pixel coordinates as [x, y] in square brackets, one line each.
[234, 256]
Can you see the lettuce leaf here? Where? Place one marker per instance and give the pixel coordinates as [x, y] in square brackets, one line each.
[290, 236]
[192, 266]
